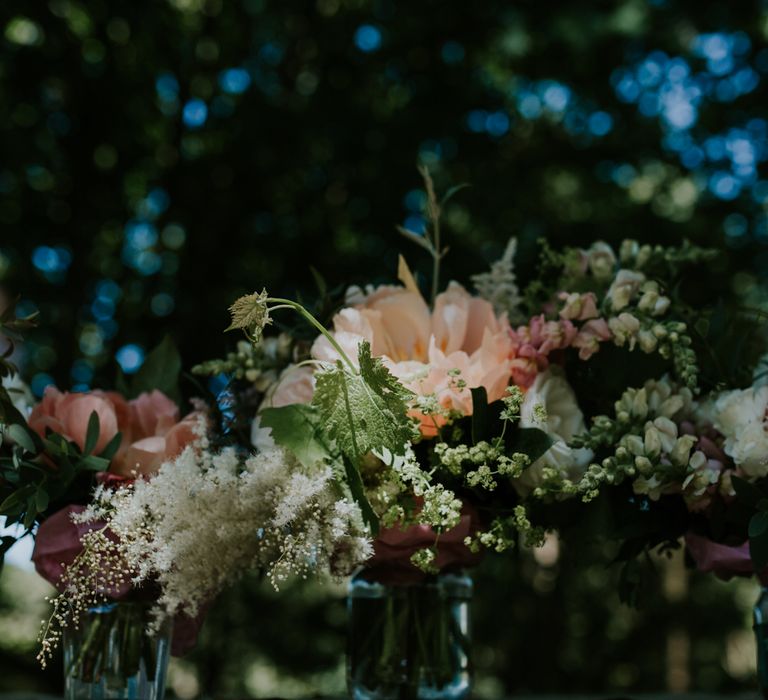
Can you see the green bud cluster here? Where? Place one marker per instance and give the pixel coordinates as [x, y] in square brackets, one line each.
[675, 344]
[257, 364]
[424, 559]
[512, 400]
[250, 314]
[440, 509]
[673, 258]
[481, 463]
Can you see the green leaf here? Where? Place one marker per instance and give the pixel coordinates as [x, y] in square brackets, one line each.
[160, 371]
[453, 191]
[111, 447]
[121, 383]
[5, 544]
[16, 498]
[41, 500]
[320, 282]
[297, 427]
[31, 514]
[92, 433]
[366, 411]
[9, 414]
[480, 414]
[531, 441]
[93, 463]
[23, 437]
[357, 490]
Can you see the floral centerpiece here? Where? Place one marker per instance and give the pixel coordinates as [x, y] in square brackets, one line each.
[456, 430]
[398, 436]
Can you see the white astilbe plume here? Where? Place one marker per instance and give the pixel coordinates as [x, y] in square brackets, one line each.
[205, 519]
[499, 284]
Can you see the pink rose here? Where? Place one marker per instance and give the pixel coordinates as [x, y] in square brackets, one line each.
[149, 426]
[153, 413]
[144, 457]
[68, 414]
[392, 550]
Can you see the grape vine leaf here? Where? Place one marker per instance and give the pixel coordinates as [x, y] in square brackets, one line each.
[363, 411]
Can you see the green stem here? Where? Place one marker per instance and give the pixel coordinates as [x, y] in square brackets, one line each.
[287, 303]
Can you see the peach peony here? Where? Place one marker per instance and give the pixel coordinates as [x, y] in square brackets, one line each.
[149, 426]
[459, 345]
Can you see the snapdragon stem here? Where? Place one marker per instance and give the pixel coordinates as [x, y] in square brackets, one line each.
[287, 303]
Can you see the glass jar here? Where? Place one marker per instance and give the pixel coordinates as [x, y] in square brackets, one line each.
[409, 642]
[111, 656]
[761, 638]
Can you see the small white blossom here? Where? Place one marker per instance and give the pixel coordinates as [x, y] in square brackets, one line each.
[741, 417]
[562, 420]
[204, 519]
[625, 328]
[601, 260]
[624, 288]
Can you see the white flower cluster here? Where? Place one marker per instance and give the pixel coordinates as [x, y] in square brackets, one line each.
[562, 419]
[206, 518]
[742, 417]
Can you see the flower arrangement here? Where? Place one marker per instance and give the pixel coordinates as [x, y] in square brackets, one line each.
[405, 436]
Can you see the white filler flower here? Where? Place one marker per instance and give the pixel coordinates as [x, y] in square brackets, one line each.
[550, 405]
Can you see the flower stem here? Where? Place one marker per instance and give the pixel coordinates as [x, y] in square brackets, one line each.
[287, 303]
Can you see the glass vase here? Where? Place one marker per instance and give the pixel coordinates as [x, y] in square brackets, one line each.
[111, 656]
[761, 639]
[409, 642]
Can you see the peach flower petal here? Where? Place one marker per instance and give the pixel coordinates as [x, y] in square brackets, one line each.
[149, 408]
[149, 426]
[425, 351]
[78, 414]
[181, 435]
[143, 457]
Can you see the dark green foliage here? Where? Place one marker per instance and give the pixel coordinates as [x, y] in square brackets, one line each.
[296, 427]
[160, 371]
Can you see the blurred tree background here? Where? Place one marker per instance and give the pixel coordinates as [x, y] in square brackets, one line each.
[158, 159]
